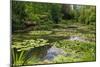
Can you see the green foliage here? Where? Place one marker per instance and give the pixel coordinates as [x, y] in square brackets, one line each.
[18, 15]
[75, 45]
[77, 51]
[28, 44]
[55, 13]
[40, 32]
[45, 14]
[63, 59]
[85, 14]
[52, 24]
[20, 54]
[21, 58]
[66, 11]
[18, 58]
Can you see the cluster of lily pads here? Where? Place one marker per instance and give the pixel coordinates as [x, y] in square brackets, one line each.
[77, 51]
[28, 44]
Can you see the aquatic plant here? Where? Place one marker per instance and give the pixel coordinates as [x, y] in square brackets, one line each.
[28, 44]
[76, 51]
[20, 51]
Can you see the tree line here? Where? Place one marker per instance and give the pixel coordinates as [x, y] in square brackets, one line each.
[32, 13]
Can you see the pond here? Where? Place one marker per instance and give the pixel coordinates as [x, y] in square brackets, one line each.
[76, 38]
[53, 52]
[49, 52]
[72, 45]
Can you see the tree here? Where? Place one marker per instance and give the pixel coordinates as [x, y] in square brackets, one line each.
[55, 13]
[18, 15]
[66, 10]
[85, 14]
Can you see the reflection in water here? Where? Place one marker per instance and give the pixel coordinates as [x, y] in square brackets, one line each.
[53, 52]
[49, 52]
[76, 38]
